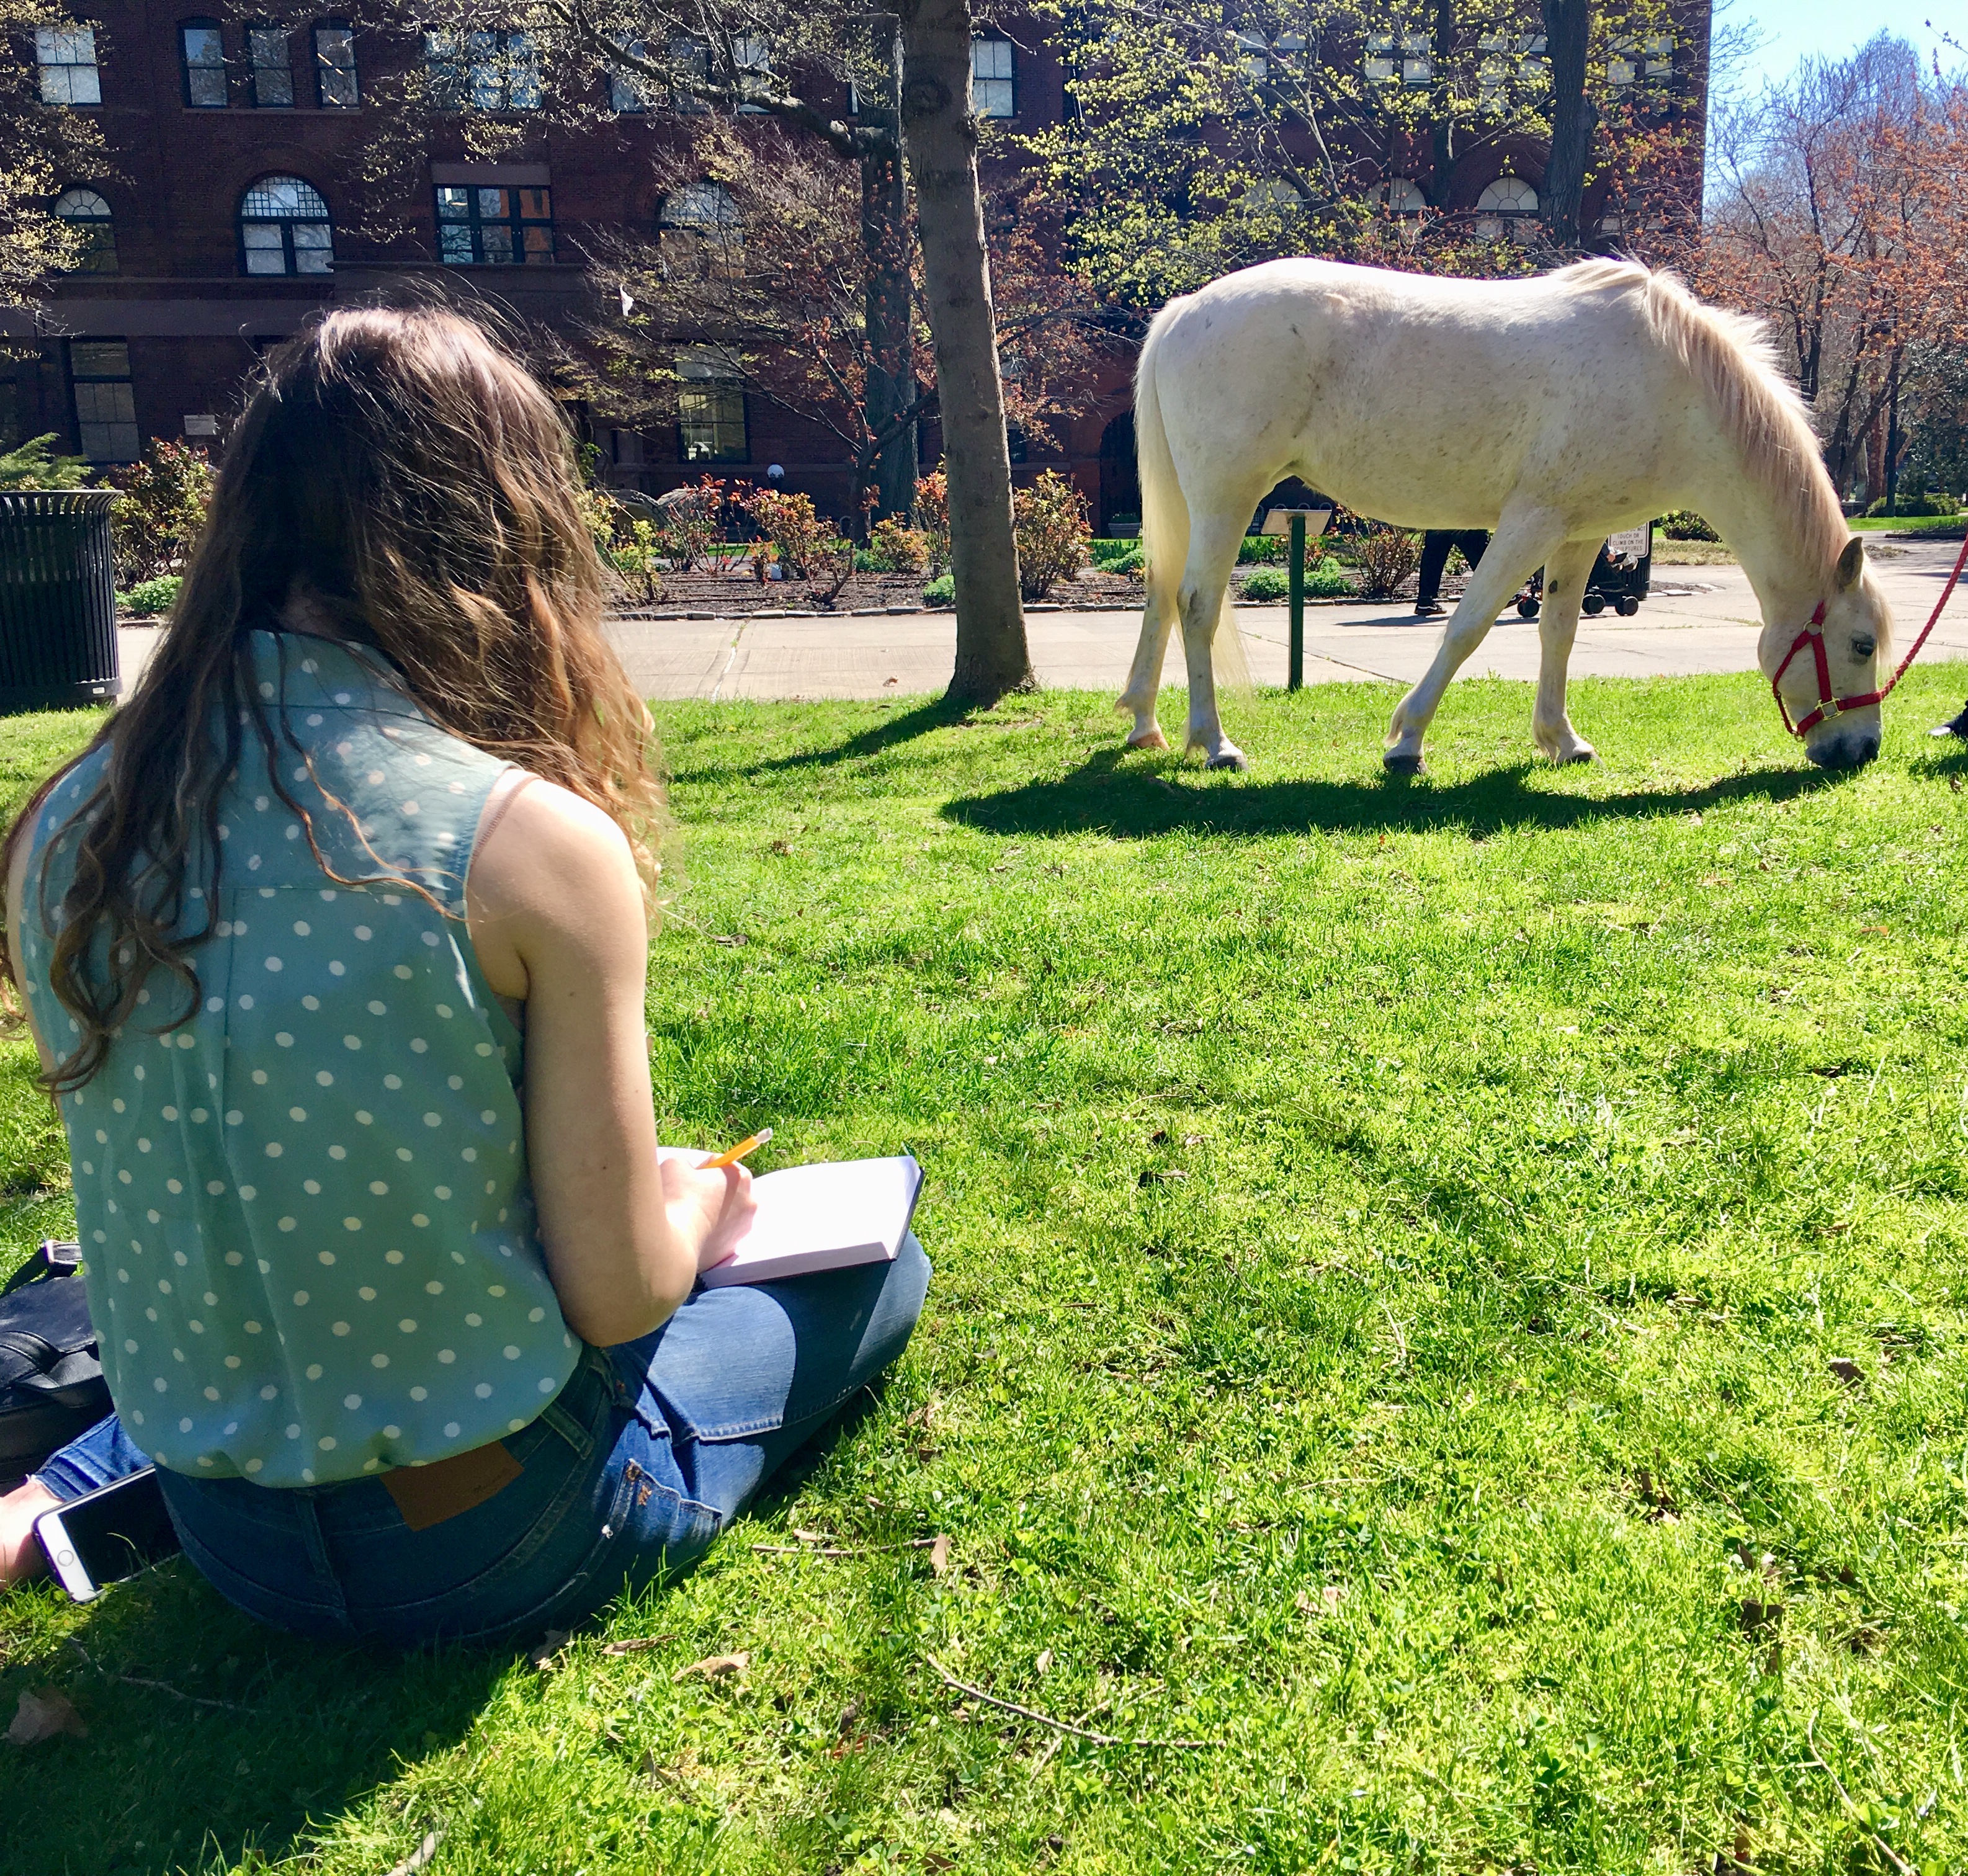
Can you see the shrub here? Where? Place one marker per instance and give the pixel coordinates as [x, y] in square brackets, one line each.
[895, 546]
[1388, 556]
[933, 518]
[1104, 552]
[1267, 582]
[1049, 523]
[1130, 562]
[151, 597]
[1328, 581]
[638, 558]
[1263, 550]
[940, 591]
[790, 522]
[166, 494]
[30, 466]
[1684, 525]
[692, 520]
[1910, 506]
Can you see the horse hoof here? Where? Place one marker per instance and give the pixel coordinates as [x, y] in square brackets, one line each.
[1148, 740]
[1397, 763]
[1584, 753]
[1230, 758]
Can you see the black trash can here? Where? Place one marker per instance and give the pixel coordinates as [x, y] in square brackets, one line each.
[57, 600]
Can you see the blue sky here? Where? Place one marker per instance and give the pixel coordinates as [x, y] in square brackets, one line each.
[1792, 30]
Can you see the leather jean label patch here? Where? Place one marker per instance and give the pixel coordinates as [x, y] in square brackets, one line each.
[428, 1494]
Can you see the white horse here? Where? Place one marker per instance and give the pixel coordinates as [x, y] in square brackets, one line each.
[1555, 411]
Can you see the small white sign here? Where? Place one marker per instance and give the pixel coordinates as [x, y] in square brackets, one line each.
[201, 425]
[1631, 543]
[1278, 520]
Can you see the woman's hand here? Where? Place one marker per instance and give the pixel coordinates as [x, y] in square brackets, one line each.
[708, 1212]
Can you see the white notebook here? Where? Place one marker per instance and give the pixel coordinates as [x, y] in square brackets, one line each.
[826, 1216]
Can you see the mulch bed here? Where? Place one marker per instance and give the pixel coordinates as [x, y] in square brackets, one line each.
[702, 594]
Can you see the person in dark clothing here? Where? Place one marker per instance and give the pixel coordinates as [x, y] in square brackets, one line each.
[1954, 727]
[1435, 546]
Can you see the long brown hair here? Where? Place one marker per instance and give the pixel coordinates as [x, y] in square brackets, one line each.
[417, 486]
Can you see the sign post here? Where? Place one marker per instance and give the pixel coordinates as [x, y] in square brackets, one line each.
[1292, 520]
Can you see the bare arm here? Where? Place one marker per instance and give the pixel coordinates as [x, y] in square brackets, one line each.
[17, 915]
[555, 915]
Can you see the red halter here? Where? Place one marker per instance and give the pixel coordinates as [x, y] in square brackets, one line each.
[1813, 634]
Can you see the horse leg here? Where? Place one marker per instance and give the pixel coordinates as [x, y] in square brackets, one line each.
[1522, 543]
[1145, 678]
[1213, 543]
[1565, 575]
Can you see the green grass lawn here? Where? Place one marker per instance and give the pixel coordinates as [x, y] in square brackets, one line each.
[1451, 1295]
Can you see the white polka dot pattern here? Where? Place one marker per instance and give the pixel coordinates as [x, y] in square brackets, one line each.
[333, 1307]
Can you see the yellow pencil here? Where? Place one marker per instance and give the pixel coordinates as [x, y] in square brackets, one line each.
[732, 1155]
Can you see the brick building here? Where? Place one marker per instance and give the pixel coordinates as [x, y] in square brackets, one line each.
[237, 207]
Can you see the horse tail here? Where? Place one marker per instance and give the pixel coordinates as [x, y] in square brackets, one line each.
[1165, 512]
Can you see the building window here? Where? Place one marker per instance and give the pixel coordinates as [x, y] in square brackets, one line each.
[489, 71]
[696, 223]
[204, 49]
[691, 57]
[88, 214]
[628, 93]
[993, 83]
[284, 227]
[1508, 200]
[66, 57]
[495, 227]
[336, 87]
[1402, 195]
[751, 68]
[105, 406]
[273, 73]
[710, 409]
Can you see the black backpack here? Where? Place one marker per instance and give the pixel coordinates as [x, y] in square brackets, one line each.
[51, 1384]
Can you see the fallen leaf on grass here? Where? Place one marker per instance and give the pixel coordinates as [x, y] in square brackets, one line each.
[45, 1715]
[731, 938]
[714, 1666]
[939, 1556]
[419, 1856]
[1043, 1661]
[546, 1656]
[1847, 1370]
[1328, 1600]
[636, 1644]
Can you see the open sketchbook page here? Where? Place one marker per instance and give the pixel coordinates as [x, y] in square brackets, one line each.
[825, 1217]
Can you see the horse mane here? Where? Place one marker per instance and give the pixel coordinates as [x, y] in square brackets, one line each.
[1732, 357]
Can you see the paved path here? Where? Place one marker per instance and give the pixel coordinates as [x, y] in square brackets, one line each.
[1700, 619]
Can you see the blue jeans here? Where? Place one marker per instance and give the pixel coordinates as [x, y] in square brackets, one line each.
[632, 1471]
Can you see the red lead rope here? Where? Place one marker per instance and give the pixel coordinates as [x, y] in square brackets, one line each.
[1813, 634]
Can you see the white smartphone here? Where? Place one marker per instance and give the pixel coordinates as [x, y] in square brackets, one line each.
[107, 1534]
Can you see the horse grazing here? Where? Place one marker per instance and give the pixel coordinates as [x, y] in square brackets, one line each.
[1555, 411]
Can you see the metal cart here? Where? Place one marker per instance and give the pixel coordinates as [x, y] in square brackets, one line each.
[1621, 576]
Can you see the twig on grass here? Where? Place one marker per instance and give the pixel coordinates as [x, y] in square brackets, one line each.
[1063, 1725]
[162, 1687]
[839, 1550]
[1401, 1341]
[421, 1855]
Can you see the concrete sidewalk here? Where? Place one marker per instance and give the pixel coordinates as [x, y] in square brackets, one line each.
[1699, 619]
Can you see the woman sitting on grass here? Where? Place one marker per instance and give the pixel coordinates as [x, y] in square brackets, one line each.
[334, 944]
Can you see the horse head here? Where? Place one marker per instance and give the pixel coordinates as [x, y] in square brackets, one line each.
[1829, 674]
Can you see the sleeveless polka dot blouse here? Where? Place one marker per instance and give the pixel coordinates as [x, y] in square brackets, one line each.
[310, 1237]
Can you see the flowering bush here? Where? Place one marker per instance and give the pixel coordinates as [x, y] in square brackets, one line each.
[933, 518]
[1049, 523]
[895, 546]
[166, 494]
[1684, 525]
[693, 522]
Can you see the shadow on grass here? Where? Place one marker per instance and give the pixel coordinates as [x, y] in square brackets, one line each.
[215, 1742]
[1136, 803]
[937, 713]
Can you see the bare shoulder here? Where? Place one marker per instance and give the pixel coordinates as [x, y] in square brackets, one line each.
[550, 836]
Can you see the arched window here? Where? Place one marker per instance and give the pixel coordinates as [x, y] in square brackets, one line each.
[284, 227]
[1401, 195]
[1507, 200]
[701, 207]
[88, 214]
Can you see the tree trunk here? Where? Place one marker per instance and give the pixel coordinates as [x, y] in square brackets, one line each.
[1442, 129]
[940, 135]
[1568, 25]
[891, 366]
